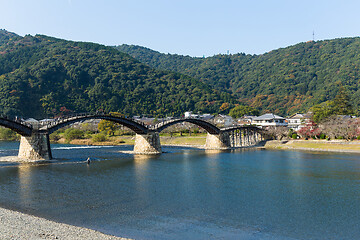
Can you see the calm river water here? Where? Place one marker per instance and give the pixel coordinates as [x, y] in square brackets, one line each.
[191, 194]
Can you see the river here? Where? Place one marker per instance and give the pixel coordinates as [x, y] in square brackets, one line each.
[190, 194]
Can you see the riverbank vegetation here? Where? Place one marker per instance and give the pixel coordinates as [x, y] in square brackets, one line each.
[8, 135]
[110, 133]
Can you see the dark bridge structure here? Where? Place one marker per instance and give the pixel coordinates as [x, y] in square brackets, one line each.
[35, 144]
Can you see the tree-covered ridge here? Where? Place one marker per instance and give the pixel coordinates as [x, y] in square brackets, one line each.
[283, 81]
[43, 76]
[5, 36]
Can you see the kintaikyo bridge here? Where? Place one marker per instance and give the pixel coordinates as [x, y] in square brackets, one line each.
[35, 143]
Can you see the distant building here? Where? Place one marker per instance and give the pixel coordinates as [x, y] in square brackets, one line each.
[205, 116]
[188, 114]
[269, 119]
[34, 123]
[224, 120]
[144, 119]
[298, 120]
[245, 120]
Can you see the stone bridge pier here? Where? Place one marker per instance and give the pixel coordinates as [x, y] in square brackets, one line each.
[148, 143]
[35, 147]
[219, 141]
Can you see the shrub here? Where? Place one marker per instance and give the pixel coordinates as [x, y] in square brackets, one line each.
[54, 137]
[322, 136]
[291, 132]
[358, 138]
[7, 134]
[99, 137]
[73, 133]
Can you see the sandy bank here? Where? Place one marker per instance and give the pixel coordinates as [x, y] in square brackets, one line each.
[15, 225]
[316, 145]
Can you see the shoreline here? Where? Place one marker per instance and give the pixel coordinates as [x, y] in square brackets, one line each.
[17, 225]
[335, 146]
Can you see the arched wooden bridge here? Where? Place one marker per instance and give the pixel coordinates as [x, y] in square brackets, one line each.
[35, 144]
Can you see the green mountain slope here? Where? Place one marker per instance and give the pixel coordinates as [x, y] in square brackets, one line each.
[283, 81]
[42, 76]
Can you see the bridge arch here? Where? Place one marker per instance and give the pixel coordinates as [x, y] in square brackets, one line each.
[17, 127]
[210, 128]
[137, 127]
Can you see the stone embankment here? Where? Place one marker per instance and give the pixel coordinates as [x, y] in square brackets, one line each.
[15, 225]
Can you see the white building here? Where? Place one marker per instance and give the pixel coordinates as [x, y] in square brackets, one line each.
[245, 120]
[269, 119]
[224, 120]
[298, 120]
[205, 116]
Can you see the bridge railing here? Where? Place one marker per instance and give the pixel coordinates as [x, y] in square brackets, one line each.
[16, 119]
[61, 119]
[69, 117]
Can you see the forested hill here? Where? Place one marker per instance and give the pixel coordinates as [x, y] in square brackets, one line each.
[283, 81]
[42, 76]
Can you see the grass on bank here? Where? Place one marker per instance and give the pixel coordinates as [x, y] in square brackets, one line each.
[318, 144]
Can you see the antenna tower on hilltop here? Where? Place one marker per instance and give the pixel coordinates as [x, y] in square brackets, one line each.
[314, 36]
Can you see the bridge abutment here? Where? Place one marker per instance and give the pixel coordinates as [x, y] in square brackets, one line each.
[218, 141]
[147, 143]
[36, 147]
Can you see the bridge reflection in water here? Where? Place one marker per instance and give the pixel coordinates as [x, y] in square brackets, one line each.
[35, 144]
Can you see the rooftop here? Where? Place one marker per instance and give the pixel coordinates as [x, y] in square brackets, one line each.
[268, 116]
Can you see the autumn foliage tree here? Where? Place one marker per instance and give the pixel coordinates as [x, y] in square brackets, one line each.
[109, 127]
[311, 129]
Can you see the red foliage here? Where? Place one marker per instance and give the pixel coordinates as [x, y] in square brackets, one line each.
[310, 130]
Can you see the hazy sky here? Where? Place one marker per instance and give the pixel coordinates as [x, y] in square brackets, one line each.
[187, 27]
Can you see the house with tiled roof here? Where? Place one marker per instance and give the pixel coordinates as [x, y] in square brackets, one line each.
[269, 119]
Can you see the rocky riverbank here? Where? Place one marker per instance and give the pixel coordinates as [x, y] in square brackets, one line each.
[15, 225]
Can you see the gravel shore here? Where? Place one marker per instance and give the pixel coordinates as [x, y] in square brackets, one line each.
[15, 225]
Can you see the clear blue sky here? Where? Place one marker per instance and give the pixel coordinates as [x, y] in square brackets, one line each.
[187, 27]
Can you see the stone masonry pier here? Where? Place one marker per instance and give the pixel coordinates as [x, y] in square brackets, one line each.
[36, 147]
[147, 143]
[219, 141]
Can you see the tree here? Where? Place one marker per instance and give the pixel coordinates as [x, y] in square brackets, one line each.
[242, 110]
[339, 106]
[73, 133]
[342, 105]
[341, 127]
[224, 107]
[322, 111]
[277, 133]
[311, 129]
[109, 127]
